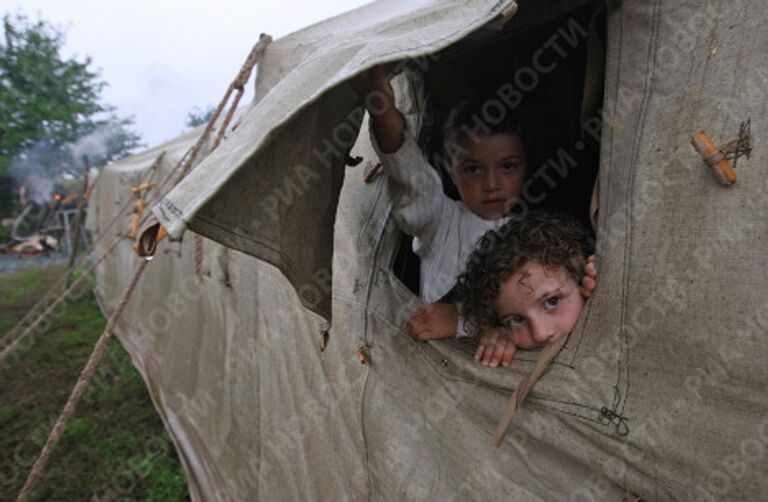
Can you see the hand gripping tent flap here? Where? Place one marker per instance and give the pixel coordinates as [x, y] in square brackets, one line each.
[659, 391]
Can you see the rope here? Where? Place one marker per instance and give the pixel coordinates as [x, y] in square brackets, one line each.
[7, 351]
[199, 257]
[546, 356]
[11, 348]
[98, 350]
[228, 118]
[11, 333]
[77, 392]
[65, 276]
[238, 84]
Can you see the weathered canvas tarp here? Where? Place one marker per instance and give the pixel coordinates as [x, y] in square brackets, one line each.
[660, 389]
[261, 201]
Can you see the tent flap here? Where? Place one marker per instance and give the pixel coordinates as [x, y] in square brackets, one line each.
[270, 190]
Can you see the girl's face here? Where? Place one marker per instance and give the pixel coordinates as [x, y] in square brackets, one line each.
[539, 305]
[489, 172]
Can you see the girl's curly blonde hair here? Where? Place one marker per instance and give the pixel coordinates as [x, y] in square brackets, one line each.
[553, 240]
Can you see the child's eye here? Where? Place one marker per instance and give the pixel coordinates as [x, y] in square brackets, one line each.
[515, 321]
[509, 166]
[470, 169]
[551, 302]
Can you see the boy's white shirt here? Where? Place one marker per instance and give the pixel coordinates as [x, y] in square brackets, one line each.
[445, 231]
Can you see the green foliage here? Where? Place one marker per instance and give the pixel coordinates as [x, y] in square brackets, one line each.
[42, 94]
[52, 103]
[5, 234]
[6, 198]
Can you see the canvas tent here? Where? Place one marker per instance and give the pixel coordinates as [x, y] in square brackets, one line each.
[660, 390]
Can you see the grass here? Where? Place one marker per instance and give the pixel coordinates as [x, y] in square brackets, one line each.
[116, 447]
[20, 291]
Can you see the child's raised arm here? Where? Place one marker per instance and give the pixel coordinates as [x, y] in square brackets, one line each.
[418, 203]
[388, 123]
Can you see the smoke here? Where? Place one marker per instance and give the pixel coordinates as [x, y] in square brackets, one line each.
[92, 147]
[38, 189]
[39, 167]
[32, 169]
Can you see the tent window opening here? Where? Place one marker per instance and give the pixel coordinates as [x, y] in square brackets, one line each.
[547, 72]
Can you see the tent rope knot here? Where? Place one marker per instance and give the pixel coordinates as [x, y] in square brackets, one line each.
[617, 420]
[613, 417]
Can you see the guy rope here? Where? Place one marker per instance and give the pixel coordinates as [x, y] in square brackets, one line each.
[98, 350]
[50, 295]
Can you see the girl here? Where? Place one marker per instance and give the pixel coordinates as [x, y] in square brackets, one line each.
[521, 286]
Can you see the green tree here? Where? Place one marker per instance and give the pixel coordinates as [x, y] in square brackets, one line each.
[51, 102]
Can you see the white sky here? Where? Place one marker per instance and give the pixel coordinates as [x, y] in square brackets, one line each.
[162, 58]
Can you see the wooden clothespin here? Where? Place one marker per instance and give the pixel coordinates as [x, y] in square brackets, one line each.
[143, 187]
[718, 157]
[138, 213]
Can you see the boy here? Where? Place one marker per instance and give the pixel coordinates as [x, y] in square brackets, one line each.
[521, 286]
[487, 165]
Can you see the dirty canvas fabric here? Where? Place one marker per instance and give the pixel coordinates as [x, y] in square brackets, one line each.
[659, 390]
[285, 162]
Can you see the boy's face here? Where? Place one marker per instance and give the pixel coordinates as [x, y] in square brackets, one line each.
[489, 172]
[539, 305]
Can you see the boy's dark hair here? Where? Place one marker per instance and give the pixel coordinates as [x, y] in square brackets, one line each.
[551, 239]
[473, 119]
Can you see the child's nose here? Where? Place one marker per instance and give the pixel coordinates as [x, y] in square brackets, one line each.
[542, 331]
[490, 180]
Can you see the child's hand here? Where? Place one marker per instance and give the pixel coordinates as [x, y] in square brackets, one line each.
[433, 322]
[374, 89]
[495, 347]
[589, 281]
[388, 124]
